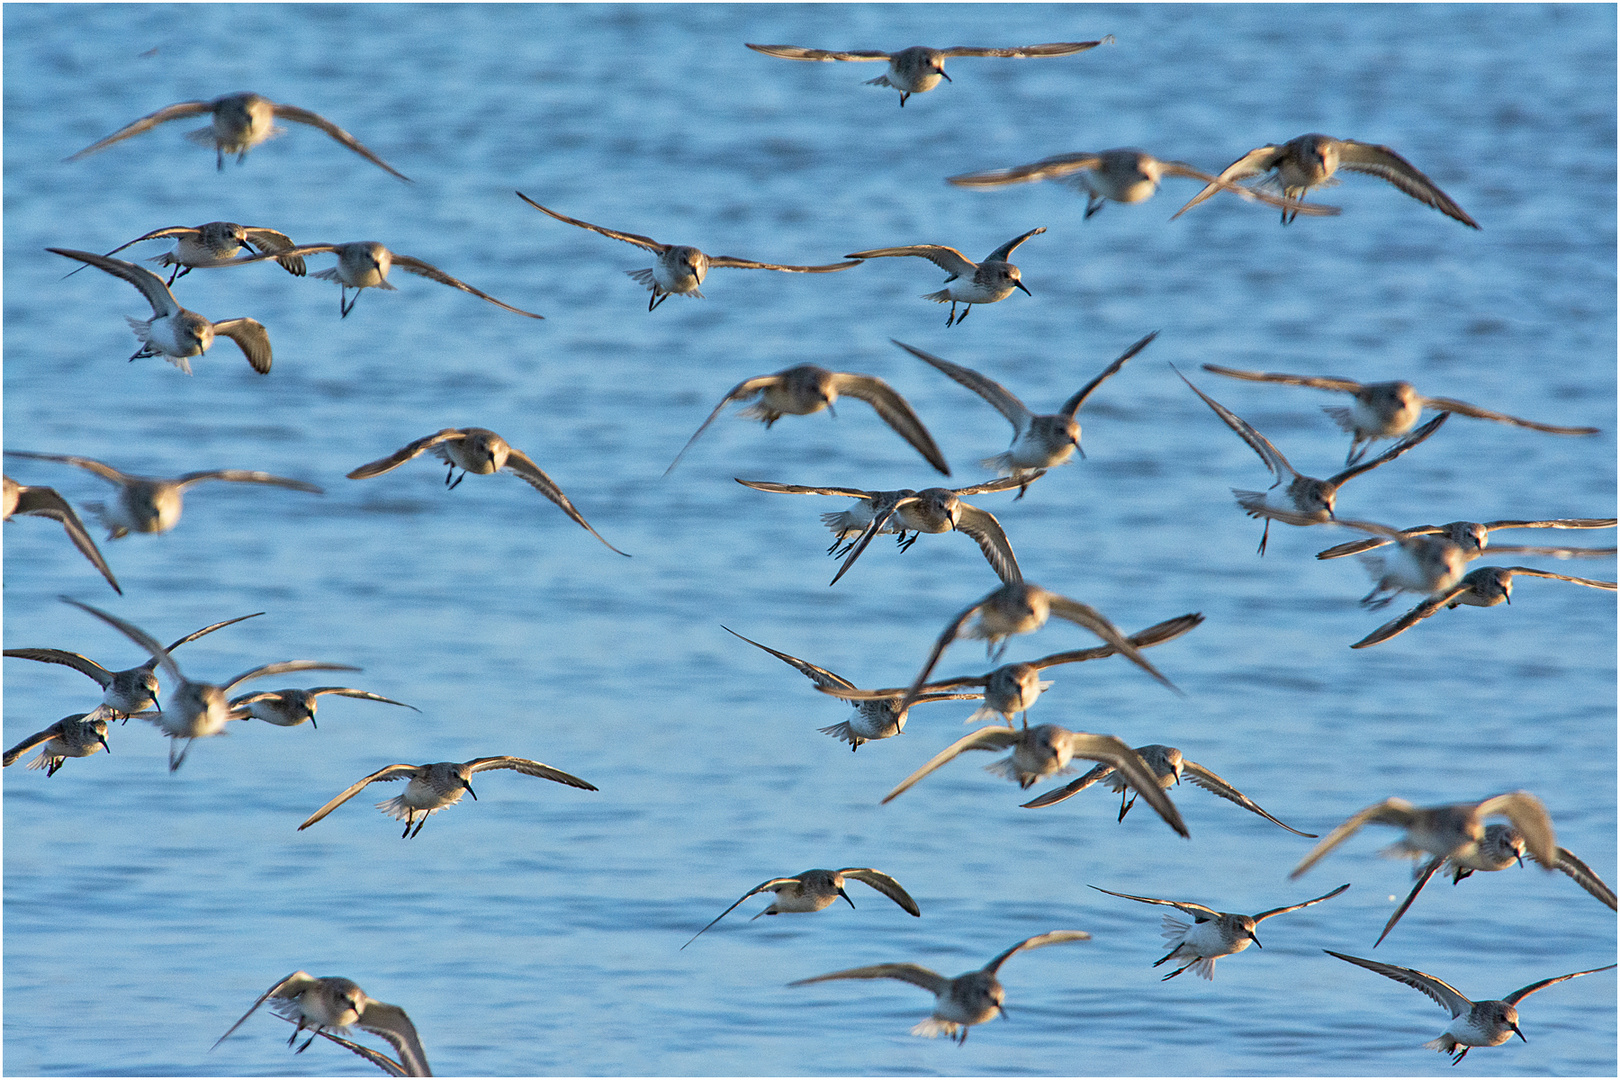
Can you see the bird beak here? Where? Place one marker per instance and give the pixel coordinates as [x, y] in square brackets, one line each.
[1255, 940]
[155, 704]
[471, 792]
[1521, 861]
[845, 895]
[1002, 1009]
[103, 741]
[1020, 286]
[1519, 1033]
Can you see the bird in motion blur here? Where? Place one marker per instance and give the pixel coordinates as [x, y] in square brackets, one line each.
[1486, 586]
[29, 501]
[1455, 830]
[333, 1002]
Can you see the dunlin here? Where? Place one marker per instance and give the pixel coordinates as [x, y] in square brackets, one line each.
[918, 69]
[1452, 831]
[215, 242]
[332, 1002]
[79, 735]
[1487, 586]
[979, 283]
[289, 708]
[814, 890]
[364, 264]
[1472, 537]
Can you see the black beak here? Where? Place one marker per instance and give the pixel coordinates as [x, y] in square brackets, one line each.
[845, 895]
[1020, 286]
[1255, 940]
[471, 792]
[941, 72]
[1519, 1033]
[104, 745]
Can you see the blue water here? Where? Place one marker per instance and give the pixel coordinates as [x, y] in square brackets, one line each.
[537, 930]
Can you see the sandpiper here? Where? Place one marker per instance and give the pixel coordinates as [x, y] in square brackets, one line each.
[1487, 586]
[1472, 537]
[980, 283]
[1452, 831]
[29, 501]
[79, 735]
[961, 1002]
[289, 708]
[332, 1002]
[215, 242]
[817, 889]
[918, 69]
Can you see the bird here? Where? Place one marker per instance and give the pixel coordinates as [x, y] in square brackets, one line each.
[152, 504]
[817, 889]
[196, 710]
[1451, 831]
[1387, 410]
[875, 719]
[1014, 688]
[1125, 175]
[1421, 563]
[128, 692]
[215, 242]
[1212, 934]
[680, 269]
[1473, 1023]
[1039, 442]
[1304, 500]
[1502, 847]
[333, 1002]
[1169, 766]
[981, 283]
[1472, 536]
[807, 389]
[437, 785]
[918, 69]
[29, 501]
[239, 123]
[79, 735]
[1310, 161]
[289, 708]
[959, 1003]
[932, 510]
[1046, 750]
[173, 332]
[364, 264]
[1487, 586]
[480, 451]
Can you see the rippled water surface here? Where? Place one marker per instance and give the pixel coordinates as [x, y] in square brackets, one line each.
[537, 930]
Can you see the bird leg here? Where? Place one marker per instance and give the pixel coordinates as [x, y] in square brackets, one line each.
[344, 304]
[656, 299]
[410, 819]
[1264, 533]
[419, 825]
[1127, 799]
[906, 541]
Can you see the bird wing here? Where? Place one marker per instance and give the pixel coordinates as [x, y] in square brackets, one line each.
[152, 287]
[387, 1064]
[387, 772]
[281, 668]
[1555, 552]
[992, 540]
[1440, 404]
[915, 974]
[881, 516]
[1089, 617]
[743, 389]
[818, 675]
[1055, 48]
[799, 489]
[988, 738]
[798, 52]
[390, 1022]
[1157, 634]
[1295, 907]
[345, 691]
[1185, 905]
[940, 645]
[630, 238]
[101, 469]
[1356, 547]
[1207, 780]
[315, 120]
[1529, 816]
[178, 111]
[1001, 253]
[1001, 483]
[405, 453]
[997, 395]
[155, 234]
[1257, 442]
[1396, 627]
[247, 476]
[1130, 767]
[1052, 168]
[529, 768]
[251, 337]
[1388, 812]
[1319, 382]
[271, 241]
[894, 411]
[195, 634]
[34, 740]
[291, 986]
[1392, 453]
[135, 634]
[755, 891]
[1585, 877]
[948, 259]
[82, 664]
[1423, 876]
[1525, 991]
[1590, 582]
[1071, 789]
[1444, 994]
[1293, 206]
[749, 264]
[49, 503]
[1072, 406]
[1556, 523]
[884, 884]
[1259, 160]
[433, 273]
[524, 466]
[1382, 162]
[1039, 941]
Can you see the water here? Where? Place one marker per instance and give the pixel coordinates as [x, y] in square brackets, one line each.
[536, 930]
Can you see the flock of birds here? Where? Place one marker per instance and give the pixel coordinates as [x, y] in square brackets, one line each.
[1428, 560]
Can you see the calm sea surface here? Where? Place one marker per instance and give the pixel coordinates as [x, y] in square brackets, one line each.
[537, 930]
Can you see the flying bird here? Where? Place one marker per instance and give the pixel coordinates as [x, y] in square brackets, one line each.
[364, 264]
[814, 890]
[918, 69]
[980, 283]
[332, 1002]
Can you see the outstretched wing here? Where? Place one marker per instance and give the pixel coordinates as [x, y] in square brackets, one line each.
[390, 1023]
[749, 264]
[894, 411]
[178, 111]
[915, 974]
[1388, 812]
[364, 695]
[1055, 48]
[529, 768]
[291, 986]
[1259, 160]
[1295, 907]
[195, 634]
[884, 884]
[151, 286]
[1001, 253]
[1319, 382]
[1423, 877]
[1039, 941]
[1396, 627]
[405, 453]
[772, 884]
[387, 772]
[29, 743]
[818, 675]
[1089, 617]
[82, 664]
[1052, 168]
[1525, 991]
[251, 337]
[48, 503]
[1072, 406]
[135, 634]
[798, 52]
[746, 388]
[247, 476]
[1382, 162]
[630, 238]
[387, 1064]
[314, 120]
[524, 466]
[433, 273]
[988, 738]
[1440, 404]
[948, 259]
[1257, 442]
[1585, 877]
[883, 512]
[282, 667]
[1392, 453]
[1000, 398]
[1185, 905]
[1444, 994]
[987, 532]
[800, 489]
[1529, 816]
[1204, 778]
[1157, 634]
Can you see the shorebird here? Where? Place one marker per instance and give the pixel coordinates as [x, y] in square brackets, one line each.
[807, 389]
[980, 283]
[28, 501]
[1124, 176]
[1454, 831]
[1046, 750]
[435, 786]
[124, 693]
[879, 718]
[1421, 563]
[1473, 1023]
[918, 69]
[152, 504]
[215, 242]
[1304, 500]
[1487, 586]
[1310, 161]
[364, 264]
[79, 735]
[479, 451]
[289, 708]
[1212, 934]
[681, 269]
[1386, 410]
[1039, 442]
[173, 332]
[240, 122]
[932, 510]
[332, 1002]
[1502, 847]
[196, 710]
[817, 889]
[1472, 536]
[1014, 688]
[1169, 766]
[959, 1003]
